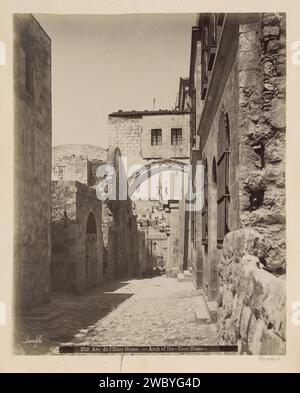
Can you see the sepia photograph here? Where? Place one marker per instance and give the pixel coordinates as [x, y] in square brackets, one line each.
[149, 183]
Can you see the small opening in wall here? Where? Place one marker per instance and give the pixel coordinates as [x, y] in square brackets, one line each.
[214, 171]
[256, 199]
[270, 325]
[260, 151]
[91, 224]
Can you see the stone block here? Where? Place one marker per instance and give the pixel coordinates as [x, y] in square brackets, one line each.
[271, 32]
[248, 60]
[248, 41]
[271, 19]
[247, 78]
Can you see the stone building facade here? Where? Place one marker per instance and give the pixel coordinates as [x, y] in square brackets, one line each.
[151, 135]
[32, 162]
[158, 138]
[237, 91]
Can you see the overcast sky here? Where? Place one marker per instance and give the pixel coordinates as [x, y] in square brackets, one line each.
[105, 63]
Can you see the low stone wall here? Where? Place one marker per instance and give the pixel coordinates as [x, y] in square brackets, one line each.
[251, 304]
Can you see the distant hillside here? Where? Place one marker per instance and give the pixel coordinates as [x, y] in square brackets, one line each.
[89, 151]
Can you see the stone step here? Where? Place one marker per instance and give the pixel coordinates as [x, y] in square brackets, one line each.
[182, 278]
[187, 273]
[202, 314]
[212, 309]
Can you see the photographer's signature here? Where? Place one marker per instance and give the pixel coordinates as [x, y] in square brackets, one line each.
[35, 341]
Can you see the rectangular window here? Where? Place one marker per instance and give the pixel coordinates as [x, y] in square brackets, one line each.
[156, 137]
[176, 136]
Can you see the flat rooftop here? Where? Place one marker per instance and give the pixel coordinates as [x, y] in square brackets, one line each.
[159, 112]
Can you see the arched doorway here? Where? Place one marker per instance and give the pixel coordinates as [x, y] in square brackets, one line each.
[91, 251]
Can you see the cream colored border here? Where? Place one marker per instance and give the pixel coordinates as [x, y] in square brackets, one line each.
[150, 363]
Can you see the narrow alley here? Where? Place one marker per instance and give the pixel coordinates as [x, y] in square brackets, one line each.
[155, 311]
[164, 225]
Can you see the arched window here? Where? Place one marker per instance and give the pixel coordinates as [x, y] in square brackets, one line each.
[91, 224]
[223, 194]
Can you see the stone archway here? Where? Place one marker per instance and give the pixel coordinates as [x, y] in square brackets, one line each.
[91, 251]
[157, 167]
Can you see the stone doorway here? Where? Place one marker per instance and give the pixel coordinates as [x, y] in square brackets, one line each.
[91, 251]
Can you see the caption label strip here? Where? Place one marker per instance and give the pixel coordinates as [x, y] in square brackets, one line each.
[146, 349]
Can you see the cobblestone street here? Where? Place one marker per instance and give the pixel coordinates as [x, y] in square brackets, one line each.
[160, 312]
[157, 311]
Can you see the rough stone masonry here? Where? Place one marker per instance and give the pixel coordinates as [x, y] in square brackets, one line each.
[253, 263]
[32, 162]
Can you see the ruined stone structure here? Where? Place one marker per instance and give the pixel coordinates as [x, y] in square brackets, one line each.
[237, 91]
[77, 243]
[32, 165]
[91, 239]
[77, 162]
[77, 238]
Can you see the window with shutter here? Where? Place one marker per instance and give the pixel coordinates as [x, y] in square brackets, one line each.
[156, 137]
[223, 194]
[212, 40]
[204, 61]
[176, 136]
[205, 207]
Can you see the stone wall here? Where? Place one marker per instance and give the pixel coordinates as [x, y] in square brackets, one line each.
[32, 162]
[126, 134]
[252, 268]
[165, 123]
[251, 307]
[91, 152]
[77, 162]
[262, 125]
[72, 203]
[71, 168]
[210, 253]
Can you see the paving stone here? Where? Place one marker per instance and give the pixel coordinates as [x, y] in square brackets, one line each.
[160, 311]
